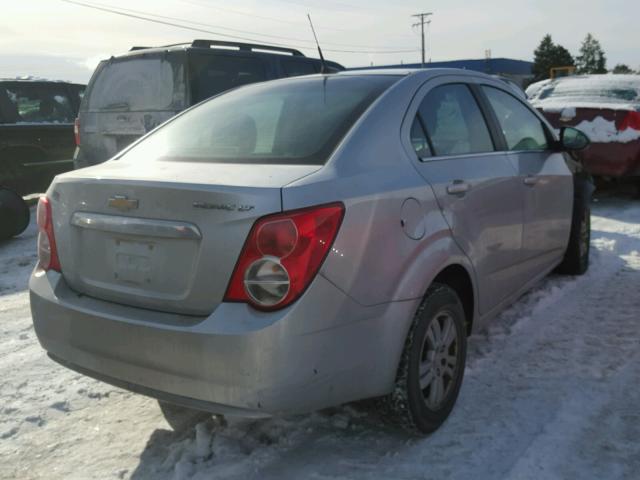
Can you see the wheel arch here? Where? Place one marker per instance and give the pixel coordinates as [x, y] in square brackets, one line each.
[456, 277]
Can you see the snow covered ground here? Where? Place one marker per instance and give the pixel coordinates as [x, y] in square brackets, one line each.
[552, 390]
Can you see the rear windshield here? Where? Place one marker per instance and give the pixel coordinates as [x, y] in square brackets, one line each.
[151, 83]
[592, 90]
[296, 121]
[35, 103]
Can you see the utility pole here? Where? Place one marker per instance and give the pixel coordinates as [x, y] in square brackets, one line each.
[423, 19]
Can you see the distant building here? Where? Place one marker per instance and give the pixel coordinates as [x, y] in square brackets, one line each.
[517, 70]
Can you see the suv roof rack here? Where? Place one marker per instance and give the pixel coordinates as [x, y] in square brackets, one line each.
[245, 46]
[136, 47]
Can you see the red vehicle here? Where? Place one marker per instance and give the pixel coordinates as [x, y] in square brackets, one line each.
[607, 109]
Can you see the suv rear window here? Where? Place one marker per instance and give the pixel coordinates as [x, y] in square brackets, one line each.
[297, 121]
[150, 83]
[214, 74]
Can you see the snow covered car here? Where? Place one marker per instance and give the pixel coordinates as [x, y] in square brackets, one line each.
[306, 242]
[607, 109]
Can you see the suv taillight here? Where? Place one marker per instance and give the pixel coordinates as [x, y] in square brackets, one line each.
[630, 120]
[76, 131]
[47, 251]
[282, 255]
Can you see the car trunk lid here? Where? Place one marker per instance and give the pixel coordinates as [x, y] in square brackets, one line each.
[136, 239]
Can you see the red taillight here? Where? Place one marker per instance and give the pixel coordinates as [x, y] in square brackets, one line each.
[631, 120]
[282, 255]
[76, 131]
[47, 251]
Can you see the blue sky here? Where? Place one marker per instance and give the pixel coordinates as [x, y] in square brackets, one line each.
[54, 39]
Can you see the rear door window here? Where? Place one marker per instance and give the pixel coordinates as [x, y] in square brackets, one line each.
[38, 103]
[454, 121]
[214, 74]
[293, 67]
[521, 128]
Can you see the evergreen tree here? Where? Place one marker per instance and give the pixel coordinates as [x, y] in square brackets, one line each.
[622, 68]
[591, 58]
[549, 55]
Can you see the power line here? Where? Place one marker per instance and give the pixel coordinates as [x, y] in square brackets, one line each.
[253, 15]
[237, 37]
[184, 20]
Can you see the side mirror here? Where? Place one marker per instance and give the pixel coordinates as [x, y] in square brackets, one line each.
[572, 139]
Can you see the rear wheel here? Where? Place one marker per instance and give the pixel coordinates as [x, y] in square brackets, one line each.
[14, 213]
[181, 418]
[432, 364]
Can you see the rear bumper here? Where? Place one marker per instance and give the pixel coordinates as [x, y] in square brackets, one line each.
[612, 159]
[322, 351]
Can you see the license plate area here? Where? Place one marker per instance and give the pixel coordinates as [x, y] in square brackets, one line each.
[133, 263]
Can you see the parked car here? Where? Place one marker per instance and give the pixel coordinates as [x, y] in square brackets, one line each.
[36, 140]
[301, 243]
[607, 109]
[131, 94]
[36, 132]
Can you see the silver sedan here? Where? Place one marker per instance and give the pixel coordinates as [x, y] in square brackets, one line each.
[307, 242]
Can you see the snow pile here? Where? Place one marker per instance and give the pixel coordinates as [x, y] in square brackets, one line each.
[600, 130]
[551, 391]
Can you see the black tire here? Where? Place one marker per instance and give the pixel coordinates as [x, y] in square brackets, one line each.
[409, 405]
[576, 257]
[181, 418]
[14, 214]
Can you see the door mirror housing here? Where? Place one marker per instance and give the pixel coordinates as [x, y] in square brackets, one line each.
[572, 139]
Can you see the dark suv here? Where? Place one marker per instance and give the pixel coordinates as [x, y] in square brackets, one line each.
[36, 132]
[133, 93]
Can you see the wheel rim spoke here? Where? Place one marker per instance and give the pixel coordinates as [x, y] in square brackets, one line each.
[427, 375]
[436, 392]
[437, 332]
[449, 335]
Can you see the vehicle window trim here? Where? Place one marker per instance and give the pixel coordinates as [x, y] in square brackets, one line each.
[550, 138]
[500, 142]
[472, 154]
[426, 135]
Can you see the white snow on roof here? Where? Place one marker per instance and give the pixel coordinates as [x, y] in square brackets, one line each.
[618, 92]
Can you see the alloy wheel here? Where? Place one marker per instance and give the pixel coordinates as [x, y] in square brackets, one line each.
[439, 360]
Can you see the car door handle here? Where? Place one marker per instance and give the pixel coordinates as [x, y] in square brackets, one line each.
[457, 187]
[530, 180]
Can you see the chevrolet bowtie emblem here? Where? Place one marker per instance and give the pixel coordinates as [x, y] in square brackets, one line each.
[122, 203]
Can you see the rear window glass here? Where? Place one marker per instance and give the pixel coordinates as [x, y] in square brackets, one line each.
[36, 103]
[592, 90]
[214, 74]
[138, 84]
[298, 121]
